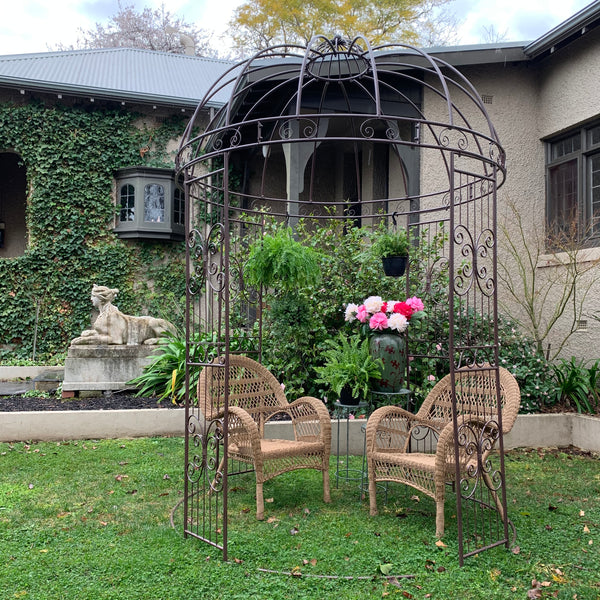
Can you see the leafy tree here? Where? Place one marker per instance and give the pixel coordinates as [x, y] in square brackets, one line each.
[259, 24]
[150, 30]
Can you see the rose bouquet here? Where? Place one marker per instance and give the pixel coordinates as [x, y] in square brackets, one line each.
[386, 316]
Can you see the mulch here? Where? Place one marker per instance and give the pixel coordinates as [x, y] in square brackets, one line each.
[107, 402]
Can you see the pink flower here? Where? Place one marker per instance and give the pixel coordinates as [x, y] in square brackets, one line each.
[378, 321]
[361, 314]
[431, 377]
[415, 303]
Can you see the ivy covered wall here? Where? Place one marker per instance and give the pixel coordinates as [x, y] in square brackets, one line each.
[70, 155]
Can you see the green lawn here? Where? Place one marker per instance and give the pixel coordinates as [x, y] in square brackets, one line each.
[90, 520]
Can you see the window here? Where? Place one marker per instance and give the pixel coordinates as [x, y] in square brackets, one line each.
[127, 211]
[178, 207]
[149, 206]
[573, 180]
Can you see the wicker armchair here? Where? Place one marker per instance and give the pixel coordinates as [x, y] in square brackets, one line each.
[418, 449]
[255, 397]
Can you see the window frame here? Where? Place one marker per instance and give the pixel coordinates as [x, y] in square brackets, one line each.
[588, 225]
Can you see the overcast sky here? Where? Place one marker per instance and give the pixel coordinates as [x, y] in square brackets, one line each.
[40, 25]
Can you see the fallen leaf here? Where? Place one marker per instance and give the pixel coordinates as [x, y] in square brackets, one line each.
[313, 561]
[516, 550]
[415, 498]
[239, 561]
[440, 544]
[545, 584]
[294, 531]
[269, 500]
[407, 594]
[586, 529]
[582, 513]
[166, 476]
[132, 492]
[441, 569]
[386, 568]
[121, 477]
[43, 550]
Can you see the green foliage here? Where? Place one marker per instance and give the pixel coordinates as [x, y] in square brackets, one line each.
[279, 261]
[576, 384]
[518, 353]
[165, 375]
[348, 363]
[70, 155]
[390, 243]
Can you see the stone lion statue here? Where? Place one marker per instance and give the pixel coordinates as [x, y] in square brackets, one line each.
[113, 327]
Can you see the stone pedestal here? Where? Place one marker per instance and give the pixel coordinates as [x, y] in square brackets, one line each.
[104, 368]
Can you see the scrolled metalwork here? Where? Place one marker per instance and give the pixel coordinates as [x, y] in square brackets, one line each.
[370, 127]
[453, 139]
[208, 439]
[298, 128]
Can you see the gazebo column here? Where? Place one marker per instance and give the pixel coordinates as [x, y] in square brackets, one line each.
[296, 158]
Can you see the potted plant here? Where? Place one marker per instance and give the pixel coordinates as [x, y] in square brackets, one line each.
[392, 247]
[349, 368]
[279, 261]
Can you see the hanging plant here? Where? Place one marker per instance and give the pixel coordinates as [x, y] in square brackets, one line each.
[279, 261]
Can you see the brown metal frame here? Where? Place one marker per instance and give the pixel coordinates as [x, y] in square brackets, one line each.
[301, 107]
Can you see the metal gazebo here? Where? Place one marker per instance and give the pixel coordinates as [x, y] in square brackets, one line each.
[340, 130]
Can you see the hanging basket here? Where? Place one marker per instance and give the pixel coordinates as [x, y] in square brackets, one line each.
[394, 266]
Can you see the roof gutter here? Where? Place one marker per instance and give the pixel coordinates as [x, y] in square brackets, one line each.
[579, 24]
[106, 94]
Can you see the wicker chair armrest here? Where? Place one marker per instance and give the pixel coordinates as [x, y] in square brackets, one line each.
[243, 429]
[310, 419]
[477, 436]
[389, 428]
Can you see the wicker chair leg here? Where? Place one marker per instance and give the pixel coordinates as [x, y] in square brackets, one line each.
[372, 494]
[326, 493]
[260, 502]
[490, 485]
[439, 519]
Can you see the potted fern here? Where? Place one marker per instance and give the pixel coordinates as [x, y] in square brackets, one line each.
[349, 369]
[392, 247]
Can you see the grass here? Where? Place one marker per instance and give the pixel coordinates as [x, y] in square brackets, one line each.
[90, 520]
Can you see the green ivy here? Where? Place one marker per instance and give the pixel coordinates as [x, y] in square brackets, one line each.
[70, 155]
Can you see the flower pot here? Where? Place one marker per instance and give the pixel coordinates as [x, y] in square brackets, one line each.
[347, 398]
[394, 266]
[391, 349]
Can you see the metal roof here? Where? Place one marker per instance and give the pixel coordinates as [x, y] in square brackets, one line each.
[117, 73]
[146, 76]
[577, 25]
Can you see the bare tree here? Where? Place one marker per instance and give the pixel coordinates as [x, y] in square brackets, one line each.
[491, 35]
[548, 277]
[150, 30]
[440, 28]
